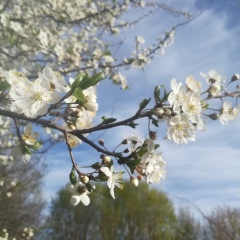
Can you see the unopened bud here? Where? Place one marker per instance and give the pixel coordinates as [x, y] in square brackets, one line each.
[235, 77]
[134, 181]
[153, 135]
[213, 116]
[126, 150]
[158, 112]
[96, 165]
[167, 112]
[84, 179]
[125, 141]
[101, 142]
[106, 160]
[140, 177]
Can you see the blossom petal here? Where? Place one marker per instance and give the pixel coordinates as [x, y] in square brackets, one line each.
[85, 199]
[75, 199]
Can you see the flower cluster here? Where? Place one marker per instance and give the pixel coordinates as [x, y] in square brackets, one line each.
[74, 41]
[32, 98]
[74, 106]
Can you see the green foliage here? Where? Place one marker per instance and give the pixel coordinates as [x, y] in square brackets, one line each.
[83, 81]
[72, 177]
[132, 124]
[78, 94]
[143, 104]
[108, 120]
[157, 93]
[137, 213]
[90, 81]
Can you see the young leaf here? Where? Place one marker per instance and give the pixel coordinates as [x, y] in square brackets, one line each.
[77, 81]
[143, 104]
[4, 85]
[157, 94]
[89, 187]
[155, 122]
[90, 81]
[108, 120]
[36, 146]
[132, 164]
[166, 94]
[72, 177]
[77, 93]
[132, 124]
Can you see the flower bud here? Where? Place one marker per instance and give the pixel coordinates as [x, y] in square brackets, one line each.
[158, 112]
[167, 112]
[213, 116]
[84, 179]
[126, 150]
[96, 165]
[134, 181]
[106, 160]
[153, 135]
[140, 177]
[101, 142]
[235, 77]
[125, 141]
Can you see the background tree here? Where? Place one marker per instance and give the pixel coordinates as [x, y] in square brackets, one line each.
[223, 223]
[188, 227]
[145, 214]
[21, 200]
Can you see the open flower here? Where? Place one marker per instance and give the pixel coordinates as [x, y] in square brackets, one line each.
[32, 98]
[28, 136]
[115, 179]
[80, 193]
[55, 80]
[228, 113]
[180, 130]
[177, 96]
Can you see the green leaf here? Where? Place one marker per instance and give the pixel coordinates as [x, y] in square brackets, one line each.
[143, 149]
[72, 177]
[25, 149]
[89, 187]
[132, 124]
[155, 122]
[108, 120]
[132, 164]
[90, 81]
[78, 93]
[36, 146]
[143, 104]
[156, 146]
[4, 85]
[166, 94]
[157, 94]
[77, 81]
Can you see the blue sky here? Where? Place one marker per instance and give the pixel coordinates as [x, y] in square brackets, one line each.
[206, 172]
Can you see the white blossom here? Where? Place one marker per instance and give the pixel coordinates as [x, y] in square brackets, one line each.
[177, 96]
[228, 113]
[28, 136]
[115, 179]
[180, 130]
[193, 85]
[79, 193]
[32, 98]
